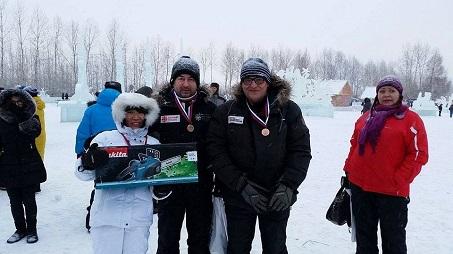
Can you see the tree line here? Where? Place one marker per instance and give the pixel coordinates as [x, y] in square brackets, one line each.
[36, 49]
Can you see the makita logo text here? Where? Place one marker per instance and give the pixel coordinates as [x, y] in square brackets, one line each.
[117, 155]
[117, 152]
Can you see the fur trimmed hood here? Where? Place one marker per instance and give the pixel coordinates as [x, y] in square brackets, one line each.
[279, 90]
[29, 108]
[135, 100]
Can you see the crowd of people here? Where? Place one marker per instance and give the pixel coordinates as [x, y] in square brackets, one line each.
[253, 149]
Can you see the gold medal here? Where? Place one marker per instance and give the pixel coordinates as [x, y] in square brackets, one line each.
[265, 132]
[190, 128]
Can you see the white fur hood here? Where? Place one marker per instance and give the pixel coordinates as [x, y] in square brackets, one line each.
[135, 100]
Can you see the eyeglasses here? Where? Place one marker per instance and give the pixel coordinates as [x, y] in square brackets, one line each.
[258, 81]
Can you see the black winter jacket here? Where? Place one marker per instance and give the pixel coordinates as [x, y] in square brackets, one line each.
[176, 132]
[239, 149]
[20, 163]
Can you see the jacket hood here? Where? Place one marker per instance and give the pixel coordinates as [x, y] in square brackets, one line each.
[279, 90]
[134, 100]
[40, 104]
[29, 105]
[107, 96]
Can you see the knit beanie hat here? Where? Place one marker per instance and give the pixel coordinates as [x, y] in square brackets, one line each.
[31, 90]
[185, 65]
[113, 85]
[255, 67]
[390, 81]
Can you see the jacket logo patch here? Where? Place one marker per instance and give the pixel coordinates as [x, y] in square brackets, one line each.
[236, 119]
[117, 152]
[202, 117]
[170, 119]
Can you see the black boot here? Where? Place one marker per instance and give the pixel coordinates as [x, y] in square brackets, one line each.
[32, 237]
[17, 236]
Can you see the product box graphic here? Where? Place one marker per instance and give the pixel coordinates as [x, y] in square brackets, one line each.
[163, 164]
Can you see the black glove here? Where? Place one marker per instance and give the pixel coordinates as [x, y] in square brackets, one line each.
[282, 198]
[255, 199]
[94, 157]
[31, 126]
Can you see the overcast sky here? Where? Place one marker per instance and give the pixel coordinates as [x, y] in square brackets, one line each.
[369, 29]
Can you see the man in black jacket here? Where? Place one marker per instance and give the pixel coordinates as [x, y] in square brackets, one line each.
[184, 117]
[259, 147]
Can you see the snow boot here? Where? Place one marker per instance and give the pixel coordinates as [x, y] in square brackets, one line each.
[17, 236]
[32, 238]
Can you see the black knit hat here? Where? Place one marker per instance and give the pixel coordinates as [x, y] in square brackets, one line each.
[114, 85]
[255, 67]
[185, 65]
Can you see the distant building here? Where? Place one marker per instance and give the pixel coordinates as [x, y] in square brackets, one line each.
[369, 92]
[340, 91]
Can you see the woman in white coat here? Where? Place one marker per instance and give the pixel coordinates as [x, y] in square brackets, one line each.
[121, 218]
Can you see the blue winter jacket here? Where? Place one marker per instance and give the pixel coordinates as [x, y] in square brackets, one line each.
[97, 118]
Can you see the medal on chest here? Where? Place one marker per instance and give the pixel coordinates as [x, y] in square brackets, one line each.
[187, 114]
[263, 124]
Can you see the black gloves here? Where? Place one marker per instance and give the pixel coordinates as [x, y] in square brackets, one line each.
[30, 126]
[255, 199]
[282, 198]
[94, 157]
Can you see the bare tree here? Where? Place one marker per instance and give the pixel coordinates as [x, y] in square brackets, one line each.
[3, 39]
[281, 58]
[114, 39]
[301, 60]
[156, 59]
[167, 56]
[72, 39]
[21, 35]
[211, 58]
[229, 63]
[56, 40]
[204, 61]
[38, 28]
[89, 38]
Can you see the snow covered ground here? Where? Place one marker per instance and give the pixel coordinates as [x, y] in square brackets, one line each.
[62, 202]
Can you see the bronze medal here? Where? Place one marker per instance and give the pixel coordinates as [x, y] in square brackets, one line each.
[265, 132]
[190, 128]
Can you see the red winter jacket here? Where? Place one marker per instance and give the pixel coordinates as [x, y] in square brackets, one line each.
[401, 151]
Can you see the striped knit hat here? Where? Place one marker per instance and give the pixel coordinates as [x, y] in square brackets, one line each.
[255, 67]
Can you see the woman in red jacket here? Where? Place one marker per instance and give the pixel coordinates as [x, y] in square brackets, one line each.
[388, 148]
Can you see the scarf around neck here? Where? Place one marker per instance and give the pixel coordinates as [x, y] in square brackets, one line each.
[376, 121]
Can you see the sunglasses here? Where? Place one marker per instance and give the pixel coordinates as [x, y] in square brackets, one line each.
[259, 81]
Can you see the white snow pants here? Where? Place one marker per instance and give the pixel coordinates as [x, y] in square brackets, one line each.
[115, 240]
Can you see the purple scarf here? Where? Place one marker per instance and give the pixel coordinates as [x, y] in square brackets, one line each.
[374, 124]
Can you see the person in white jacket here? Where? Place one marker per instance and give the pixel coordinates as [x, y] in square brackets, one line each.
[121, 218]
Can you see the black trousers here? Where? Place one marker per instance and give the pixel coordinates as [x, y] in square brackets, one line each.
[241, 221]
[195, 203]
[390, 211]
[20, 198]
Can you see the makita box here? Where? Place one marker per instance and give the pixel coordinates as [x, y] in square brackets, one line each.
[132, 166]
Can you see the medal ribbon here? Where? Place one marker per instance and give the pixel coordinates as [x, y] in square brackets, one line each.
[187, 115]
[266, 114]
